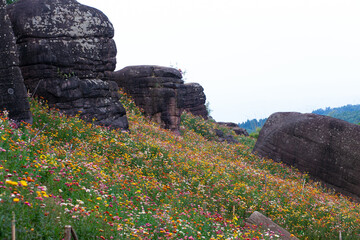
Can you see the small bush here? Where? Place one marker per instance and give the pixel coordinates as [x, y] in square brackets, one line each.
[256, 133]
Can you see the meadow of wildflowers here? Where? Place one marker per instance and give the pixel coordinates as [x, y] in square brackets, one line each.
[153, 184]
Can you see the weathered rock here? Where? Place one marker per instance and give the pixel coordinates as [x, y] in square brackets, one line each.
[160, 92]
[91, 99]
[235, 127]
[225, 137]
[13, 94]
[267, 224]
[327, 148]
[191, 97]
[66, 46]
[57, 37]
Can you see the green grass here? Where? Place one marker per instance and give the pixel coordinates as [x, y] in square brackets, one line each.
[153, 184]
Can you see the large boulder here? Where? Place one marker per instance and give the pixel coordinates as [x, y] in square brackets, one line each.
[92, 99]
[58, 37]
[325, 147]
[161, 93]
[65, 45]
[13, 94]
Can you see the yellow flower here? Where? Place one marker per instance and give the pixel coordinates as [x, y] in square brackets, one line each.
[23, 183]
[16, 199]
[11, 182]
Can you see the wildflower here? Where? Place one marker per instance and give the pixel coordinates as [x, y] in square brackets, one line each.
[11, 182]
[23, 183]
[29, 179]
[16, 200]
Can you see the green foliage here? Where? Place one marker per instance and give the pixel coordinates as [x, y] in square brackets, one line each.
[65, 75]
[349, 113]
[10, 1]
[256, 133]
[208, 109]
[207, 128]
[199, 125]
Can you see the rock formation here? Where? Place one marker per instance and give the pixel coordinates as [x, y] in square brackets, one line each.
[66, 46]
[222, 137]
[233, 126]
[258, 219]
[192, 99]
[161, 93]
[92, 99]
[325, 147]
[13, 94]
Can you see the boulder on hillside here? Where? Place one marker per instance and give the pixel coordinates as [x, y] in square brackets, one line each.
[327, 148]
[65, 45]
[235, 127]
[13, 94]
[160, 92]
[92, 99]
[222, 137]
[258, 219]
[58, 37]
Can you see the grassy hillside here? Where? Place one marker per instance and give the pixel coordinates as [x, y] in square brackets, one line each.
[152, 184]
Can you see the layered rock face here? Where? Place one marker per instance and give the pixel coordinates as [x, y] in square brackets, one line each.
[13, 94]
[192, 99]
[92, 99]
[65, 46]
[325, 147]
[161, 93]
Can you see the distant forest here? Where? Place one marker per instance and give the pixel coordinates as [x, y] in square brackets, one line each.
[251, 125]
[349, 113]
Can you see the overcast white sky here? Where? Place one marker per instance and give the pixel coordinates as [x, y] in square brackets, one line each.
[253, 57]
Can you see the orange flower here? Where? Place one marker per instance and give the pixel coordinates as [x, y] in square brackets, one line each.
[29, 179]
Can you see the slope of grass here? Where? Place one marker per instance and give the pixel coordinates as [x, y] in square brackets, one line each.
[152, 184]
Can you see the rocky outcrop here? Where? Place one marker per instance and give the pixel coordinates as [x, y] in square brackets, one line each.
[258, 219]
[161, 93]
[235, 127]
[58, 37]
[92, 99]
[65, 46]
[325, 147]
[192, 99]
[13, 94]
[222, 137]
